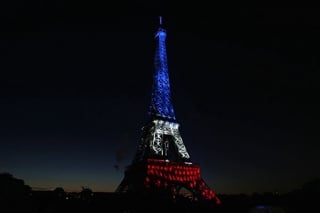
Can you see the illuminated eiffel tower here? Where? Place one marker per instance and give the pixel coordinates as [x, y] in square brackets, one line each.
[162, 164]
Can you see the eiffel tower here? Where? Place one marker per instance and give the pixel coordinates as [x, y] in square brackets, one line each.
[162, 164]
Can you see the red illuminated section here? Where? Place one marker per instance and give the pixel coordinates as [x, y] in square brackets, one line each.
[164, 174]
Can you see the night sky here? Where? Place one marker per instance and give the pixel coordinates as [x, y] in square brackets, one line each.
[75, 86]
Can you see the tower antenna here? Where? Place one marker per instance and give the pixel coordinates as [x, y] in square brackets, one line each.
[160, 20]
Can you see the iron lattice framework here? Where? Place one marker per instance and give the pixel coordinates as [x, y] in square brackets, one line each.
[162, 163]
[161, 105]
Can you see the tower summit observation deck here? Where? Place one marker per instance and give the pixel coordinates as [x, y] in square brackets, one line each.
[162, 163]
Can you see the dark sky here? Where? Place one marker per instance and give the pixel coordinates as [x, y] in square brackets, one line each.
[76, 83]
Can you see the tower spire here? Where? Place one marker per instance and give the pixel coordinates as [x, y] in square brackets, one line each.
[161, 106]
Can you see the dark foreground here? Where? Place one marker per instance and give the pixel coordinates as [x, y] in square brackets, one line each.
[53, 202]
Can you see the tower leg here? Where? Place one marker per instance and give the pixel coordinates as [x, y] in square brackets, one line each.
[182, 150]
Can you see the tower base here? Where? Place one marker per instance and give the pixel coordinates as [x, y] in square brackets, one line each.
[166, 180]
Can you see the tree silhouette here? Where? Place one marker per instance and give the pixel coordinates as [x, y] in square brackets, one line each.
[14, 194]
[11, 187]
[86, 194]
[59, 193]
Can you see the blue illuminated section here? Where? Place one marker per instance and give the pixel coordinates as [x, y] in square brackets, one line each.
[161, 106]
